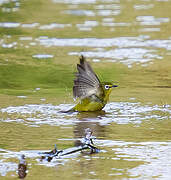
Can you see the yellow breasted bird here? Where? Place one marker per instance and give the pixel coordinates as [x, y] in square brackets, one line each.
[92, 93]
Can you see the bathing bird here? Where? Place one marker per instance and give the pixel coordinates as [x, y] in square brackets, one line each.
[92, 94]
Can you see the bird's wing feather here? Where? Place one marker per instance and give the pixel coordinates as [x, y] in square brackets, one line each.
[86, 82]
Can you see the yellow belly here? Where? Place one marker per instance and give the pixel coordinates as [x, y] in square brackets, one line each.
[88, 105]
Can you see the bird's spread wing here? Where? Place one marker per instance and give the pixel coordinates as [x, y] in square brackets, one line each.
[86, 83]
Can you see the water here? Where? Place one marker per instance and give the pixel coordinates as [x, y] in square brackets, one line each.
[128, 43]
[120, 113]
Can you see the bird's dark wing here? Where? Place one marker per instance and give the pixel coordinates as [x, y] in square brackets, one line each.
[86, 82]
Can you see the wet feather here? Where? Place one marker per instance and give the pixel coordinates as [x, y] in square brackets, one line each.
[86, 83]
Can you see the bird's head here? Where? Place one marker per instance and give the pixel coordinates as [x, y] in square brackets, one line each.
[107, 88]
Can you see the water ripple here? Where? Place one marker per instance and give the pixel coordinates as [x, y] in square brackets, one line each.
[75, 1]
[9, 6]
[6, 167]
[121, 42]
[118, 112]
[156, 155]
[9, 24]
[42, 56]
[130, 49]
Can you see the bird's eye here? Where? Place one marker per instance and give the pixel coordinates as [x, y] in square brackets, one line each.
[106, 86]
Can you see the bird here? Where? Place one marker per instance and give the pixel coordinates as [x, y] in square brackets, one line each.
[93, 95]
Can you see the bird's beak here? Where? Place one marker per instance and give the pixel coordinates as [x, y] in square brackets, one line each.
[114, 86]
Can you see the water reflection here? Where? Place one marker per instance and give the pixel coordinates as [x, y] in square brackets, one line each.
[89, 120]
[134, 137]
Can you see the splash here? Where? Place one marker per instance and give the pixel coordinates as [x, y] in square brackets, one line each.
[118, 112]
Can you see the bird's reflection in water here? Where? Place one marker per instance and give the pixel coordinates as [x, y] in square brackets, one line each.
[89, 120]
